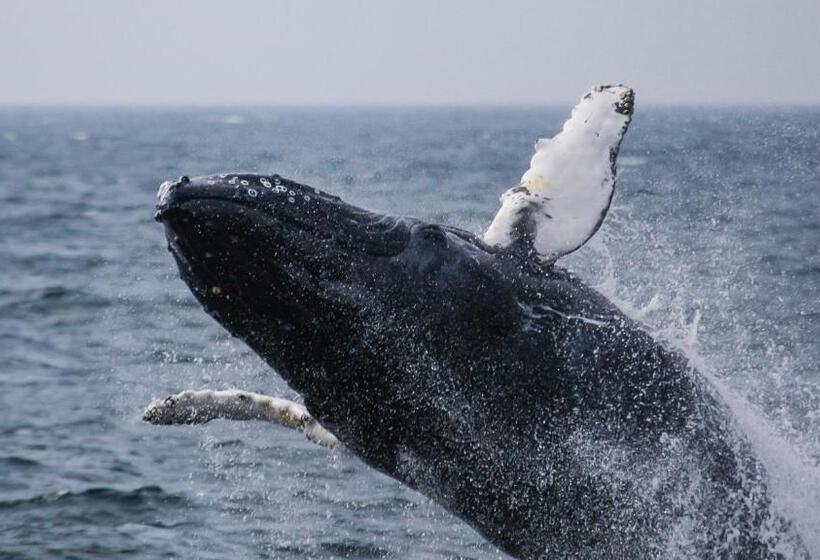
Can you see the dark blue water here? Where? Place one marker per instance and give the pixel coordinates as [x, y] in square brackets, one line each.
[713, 241]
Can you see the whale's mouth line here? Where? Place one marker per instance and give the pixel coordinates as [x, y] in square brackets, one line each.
[355, 230]
[183, 203]
[191, 206]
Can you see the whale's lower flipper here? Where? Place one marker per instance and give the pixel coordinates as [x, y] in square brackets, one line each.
[199, 407]
[563, 197]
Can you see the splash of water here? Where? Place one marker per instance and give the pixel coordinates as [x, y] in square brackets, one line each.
[794, 483]
[793, 478]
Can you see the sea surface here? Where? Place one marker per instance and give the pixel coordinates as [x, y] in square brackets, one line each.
[713, 242]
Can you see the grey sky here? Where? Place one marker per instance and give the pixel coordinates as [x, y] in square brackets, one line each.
[414, 51]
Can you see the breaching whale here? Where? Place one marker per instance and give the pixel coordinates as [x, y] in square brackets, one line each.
[474, 369]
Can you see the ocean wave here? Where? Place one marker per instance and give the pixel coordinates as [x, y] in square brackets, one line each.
[48, 299]
[97, 495]
[18, 463]
[346, 548]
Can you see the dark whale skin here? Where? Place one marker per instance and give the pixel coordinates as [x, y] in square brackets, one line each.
[506, 390]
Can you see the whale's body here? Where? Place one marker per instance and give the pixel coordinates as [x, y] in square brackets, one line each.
[492, 381]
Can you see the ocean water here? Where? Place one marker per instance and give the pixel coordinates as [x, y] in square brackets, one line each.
[713, 242]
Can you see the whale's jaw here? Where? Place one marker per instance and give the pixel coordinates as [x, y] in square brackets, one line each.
[265, 256]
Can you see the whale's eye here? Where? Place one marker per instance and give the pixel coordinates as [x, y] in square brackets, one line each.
[432, 234]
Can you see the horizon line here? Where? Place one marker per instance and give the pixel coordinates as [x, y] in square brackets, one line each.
[381, 105]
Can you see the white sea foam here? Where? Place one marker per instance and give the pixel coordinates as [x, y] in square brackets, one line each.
[631, 161]
[233, 119]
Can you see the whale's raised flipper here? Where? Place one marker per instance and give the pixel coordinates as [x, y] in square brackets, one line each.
[563, 197]
[199, 407]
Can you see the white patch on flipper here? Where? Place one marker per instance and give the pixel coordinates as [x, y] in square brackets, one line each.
[564, 196]
[199, 407]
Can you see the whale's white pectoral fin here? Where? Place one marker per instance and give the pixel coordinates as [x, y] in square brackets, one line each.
[563, 197]
[199, 407]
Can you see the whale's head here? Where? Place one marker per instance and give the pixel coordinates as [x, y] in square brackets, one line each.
[308, 280]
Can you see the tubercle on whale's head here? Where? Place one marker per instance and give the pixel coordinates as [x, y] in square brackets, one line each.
[297, 273]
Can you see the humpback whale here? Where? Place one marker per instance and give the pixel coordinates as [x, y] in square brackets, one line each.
[474, 369]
